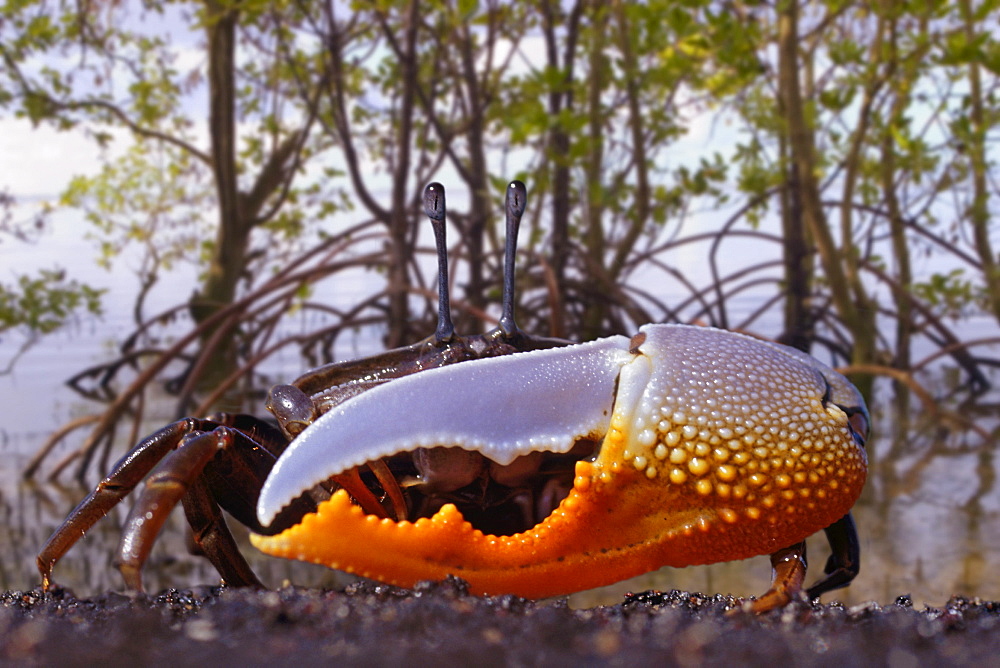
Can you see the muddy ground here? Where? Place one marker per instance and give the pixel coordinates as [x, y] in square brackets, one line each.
[369, 624]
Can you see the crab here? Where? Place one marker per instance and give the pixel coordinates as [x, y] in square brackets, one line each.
[522, 464]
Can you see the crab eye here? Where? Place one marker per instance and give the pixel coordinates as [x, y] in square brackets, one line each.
[292, 407]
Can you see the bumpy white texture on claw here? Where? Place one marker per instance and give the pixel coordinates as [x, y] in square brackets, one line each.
[721, 407]
[842, 391]
[502, 408]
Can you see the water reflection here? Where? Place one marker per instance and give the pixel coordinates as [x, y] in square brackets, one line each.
[929, 521]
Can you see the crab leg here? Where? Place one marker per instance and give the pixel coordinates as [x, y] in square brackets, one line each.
[391, 487]
[182, 456]
[185, 475]
[788, 568]
[788, 571]
[125, 475]
[164, 488]
[213, 539]
[351, 481]
[844, 562]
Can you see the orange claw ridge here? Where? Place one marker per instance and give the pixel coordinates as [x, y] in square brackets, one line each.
[617, 522]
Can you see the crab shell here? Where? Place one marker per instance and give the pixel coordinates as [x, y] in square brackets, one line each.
[716, 446]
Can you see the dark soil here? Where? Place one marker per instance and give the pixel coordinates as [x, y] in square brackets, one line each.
[371, 624]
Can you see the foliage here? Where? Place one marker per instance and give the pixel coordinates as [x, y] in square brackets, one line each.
[196, 158]
[43, 303]
[40, 303]
[832, 161]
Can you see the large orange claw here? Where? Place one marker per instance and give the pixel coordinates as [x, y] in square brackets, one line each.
[716, 446]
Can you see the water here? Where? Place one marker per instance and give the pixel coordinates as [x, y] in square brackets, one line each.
[929, 518]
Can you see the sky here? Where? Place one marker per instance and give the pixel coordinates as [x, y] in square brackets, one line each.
[38, 162]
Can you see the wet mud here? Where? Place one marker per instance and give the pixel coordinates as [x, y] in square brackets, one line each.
[370, 624]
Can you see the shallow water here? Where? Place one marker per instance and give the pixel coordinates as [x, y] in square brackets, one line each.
[929, 518]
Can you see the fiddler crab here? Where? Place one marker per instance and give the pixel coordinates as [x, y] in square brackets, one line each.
[524, 465]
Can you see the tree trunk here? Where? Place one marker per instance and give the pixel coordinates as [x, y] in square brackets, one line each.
[798, 262]
[399, 248]
[595, 310]
[897, 224]
[228, 260]
[559, 143]
[847, 292]
[239, 212]
[477, 178]
[979, 212]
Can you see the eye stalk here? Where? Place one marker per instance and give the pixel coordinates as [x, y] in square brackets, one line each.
[517, 200]
[435, 209]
